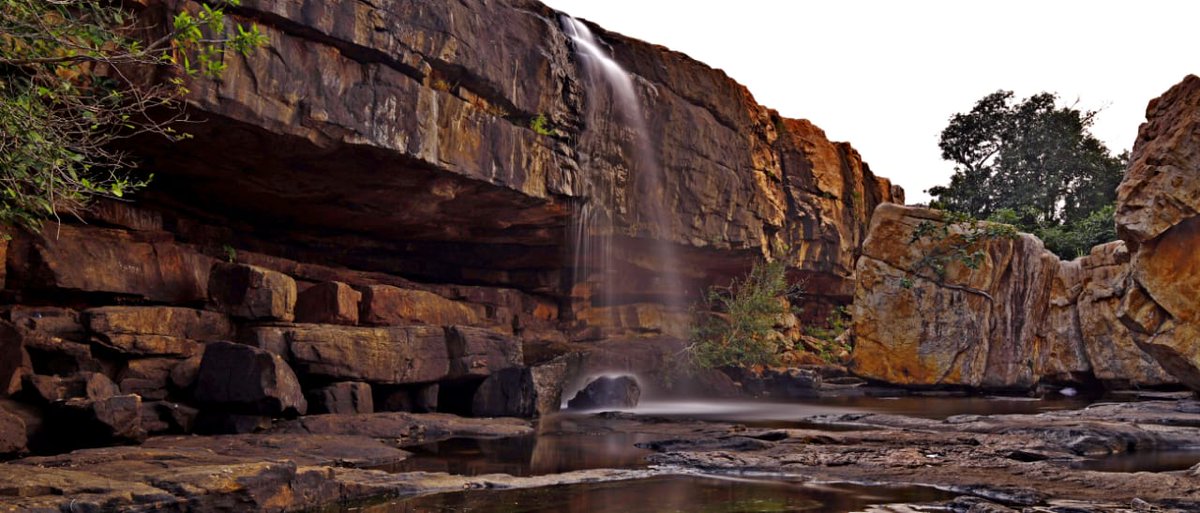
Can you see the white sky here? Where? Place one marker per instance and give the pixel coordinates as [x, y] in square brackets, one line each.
[886, 75]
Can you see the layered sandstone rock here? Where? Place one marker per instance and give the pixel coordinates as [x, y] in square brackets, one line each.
[1019, 318]
[414, 102]
[1157, 215]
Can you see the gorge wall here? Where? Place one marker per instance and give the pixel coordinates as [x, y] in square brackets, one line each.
[1123, 315]
[367, 209]
[1158, 216]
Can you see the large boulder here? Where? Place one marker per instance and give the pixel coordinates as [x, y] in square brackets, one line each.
[607, 392]
[522, 391]
[83, 422]
[384, 355]
[478, 352]
[156, 330]
[384, 305]
[243, 379]
[1015, 318]
[250, 292]
[1157, 205]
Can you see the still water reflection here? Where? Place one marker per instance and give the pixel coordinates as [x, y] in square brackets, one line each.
[667, 494]
[1144, 461]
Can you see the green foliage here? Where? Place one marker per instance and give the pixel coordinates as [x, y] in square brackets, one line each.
[957, 239]
[1031, 164]
[737, 326]
[72, 84]
[836, 324]
[541, 125]
[230, 253]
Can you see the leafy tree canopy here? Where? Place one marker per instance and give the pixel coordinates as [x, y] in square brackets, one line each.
[1034, 164]
[75, 78]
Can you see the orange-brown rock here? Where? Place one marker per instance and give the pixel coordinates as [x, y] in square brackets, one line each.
[1021, 317]
[330, 302]
[146, 265]
[1157, 216]
[251, 292]
[385, 355]
[384, 305]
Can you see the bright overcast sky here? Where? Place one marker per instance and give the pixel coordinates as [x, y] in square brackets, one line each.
[886, 75]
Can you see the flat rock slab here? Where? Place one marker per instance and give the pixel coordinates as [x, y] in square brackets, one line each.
[1016, 461]
[407, 428]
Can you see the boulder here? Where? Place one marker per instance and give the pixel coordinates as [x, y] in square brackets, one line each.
[156, 330]
[87, 259]
[243, 379]
[250, 292]
[86, 385]
[384, 305]
[183, 374]
[344, 397]
[478, 352]
[383, 355]
[506, 393]
[607, 392]
[147, 377]
[525, 392]
[330, 302]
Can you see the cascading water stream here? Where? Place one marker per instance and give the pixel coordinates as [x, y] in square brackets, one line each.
[594, 223]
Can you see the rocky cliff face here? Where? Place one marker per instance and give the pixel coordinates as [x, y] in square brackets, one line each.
[369, 212]
[1157, 206]
[400, 134]
[1019, 318]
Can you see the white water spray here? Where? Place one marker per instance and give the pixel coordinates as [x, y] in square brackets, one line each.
[593, 227]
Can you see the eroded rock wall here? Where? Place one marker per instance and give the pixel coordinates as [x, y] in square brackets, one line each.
[1158, 204]
[1020, 317]
[400, 134]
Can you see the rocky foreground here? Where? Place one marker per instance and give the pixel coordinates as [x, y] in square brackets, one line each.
[996, 463]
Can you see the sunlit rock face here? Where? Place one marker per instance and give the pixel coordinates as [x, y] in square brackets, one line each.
[396, 136]
[1157, 207]
[1020, 318]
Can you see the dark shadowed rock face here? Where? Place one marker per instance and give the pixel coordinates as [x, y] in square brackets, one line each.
[607, 392]
[244, 379]
[1157, 205]
[345, 397]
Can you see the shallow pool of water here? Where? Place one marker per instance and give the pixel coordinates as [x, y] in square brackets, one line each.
[792, 413]
[666, 494]
[1144, 461]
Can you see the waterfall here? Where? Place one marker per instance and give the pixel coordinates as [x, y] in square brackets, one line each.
[594, 224]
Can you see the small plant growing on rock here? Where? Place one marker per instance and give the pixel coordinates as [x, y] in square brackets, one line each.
[963, 247]
[736, 325]
[541, 125]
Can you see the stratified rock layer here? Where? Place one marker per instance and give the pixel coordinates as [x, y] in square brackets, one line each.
[1021, 317]
[1158, 216]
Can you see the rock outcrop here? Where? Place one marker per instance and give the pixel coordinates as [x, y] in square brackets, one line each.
[383, 228]
[927, 315]
[1158, 216]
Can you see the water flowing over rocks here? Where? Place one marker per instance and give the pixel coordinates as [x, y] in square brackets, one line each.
[1021, 318]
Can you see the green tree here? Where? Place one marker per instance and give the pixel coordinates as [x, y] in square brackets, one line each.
[1031, 163]
[77, 77]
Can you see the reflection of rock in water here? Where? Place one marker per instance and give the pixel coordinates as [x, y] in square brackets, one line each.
[607, 392]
